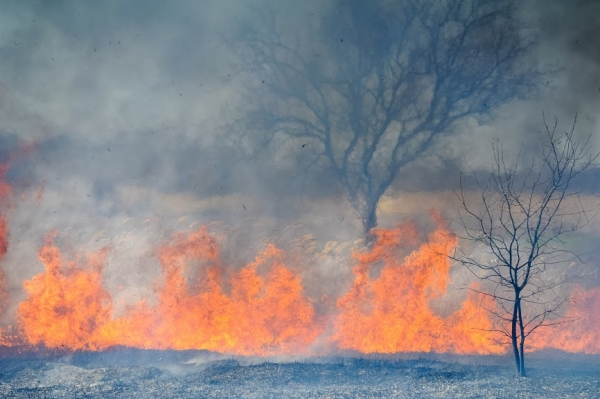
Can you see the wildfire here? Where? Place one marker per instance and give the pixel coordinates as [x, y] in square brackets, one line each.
[580, 331]
[391, 313]
[67, 303]
[262, 308]
[262, 314]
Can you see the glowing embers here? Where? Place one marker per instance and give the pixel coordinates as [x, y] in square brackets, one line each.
[391, 312]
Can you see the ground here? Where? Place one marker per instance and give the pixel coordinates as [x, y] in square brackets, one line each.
[192, 374]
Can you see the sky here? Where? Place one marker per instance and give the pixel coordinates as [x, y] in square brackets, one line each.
[127, 106]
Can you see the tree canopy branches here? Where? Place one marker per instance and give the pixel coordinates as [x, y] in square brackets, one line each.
[513, 234]
[376, 82]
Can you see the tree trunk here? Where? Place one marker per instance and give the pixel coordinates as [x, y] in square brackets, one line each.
[370, 219]
[522, 342]
[513, 337]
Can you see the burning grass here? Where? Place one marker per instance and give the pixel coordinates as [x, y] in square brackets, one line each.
[262, 308]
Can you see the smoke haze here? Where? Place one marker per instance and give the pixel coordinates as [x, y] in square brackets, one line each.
[130, 108]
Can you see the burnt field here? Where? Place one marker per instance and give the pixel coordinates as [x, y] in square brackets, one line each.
[197, 374]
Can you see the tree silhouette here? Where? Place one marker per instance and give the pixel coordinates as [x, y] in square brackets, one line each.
[368, 90]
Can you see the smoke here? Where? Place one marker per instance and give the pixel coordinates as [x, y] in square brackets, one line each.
[129, 106]
[570, 35]
[567, 54]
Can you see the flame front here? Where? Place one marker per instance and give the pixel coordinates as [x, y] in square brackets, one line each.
[579, 330]
[69, 308]
[262, 308]
[67, 303]
[391, 313]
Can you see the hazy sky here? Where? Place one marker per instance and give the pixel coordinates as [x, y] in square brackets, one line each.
[127, 100]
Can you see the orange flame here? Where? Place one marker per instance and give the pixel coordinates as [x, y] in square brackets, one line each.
[391, 313]
[261, 309]
[260, 316]
[579, 330]
[68, 306]
[67, 303]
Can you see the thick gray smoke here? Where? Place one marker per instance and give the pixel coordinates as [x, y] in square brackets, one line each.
[570, 34]
[131, 107]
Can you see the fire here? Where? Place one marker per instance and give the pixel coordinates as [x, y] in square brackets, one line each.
[263, 313]
[391, 313]
[262, 309]
[579, 330]
[67, 303]
[69, 308]
[583, 335]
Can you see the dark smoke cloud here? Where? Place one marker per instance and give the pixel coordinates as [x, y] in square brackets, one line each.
[572, 22]
[569, 33]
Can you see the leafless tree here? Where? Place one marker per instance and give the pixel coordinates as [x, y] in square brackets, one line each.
[369, 85]
[513, 232]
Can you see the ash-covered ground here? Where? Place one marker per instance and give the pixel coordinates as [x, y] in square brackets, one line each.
[194, 374]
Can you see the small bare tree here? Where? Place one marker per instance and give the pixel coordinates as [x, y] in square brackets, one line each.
[513, 233]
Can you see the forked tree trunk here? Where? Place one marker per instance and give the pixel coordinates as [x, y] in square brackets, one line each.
[517, 335]
[513, 338]
[370, 219]
[522, 342]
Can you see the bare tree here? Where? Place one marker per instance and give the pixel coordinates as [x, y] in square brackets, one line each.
[370, 85]
[516, 228]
